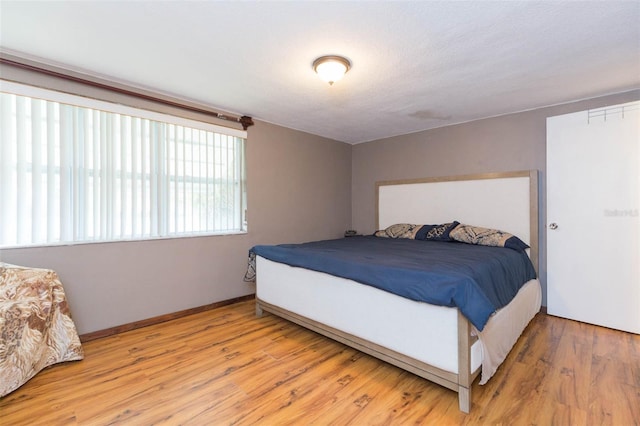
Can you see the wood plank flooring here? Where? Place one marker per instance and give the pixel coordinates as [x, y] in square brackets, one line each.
[227, 367]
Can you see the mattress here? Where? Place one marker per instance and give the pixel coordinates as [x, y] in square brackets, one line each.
[476, 279]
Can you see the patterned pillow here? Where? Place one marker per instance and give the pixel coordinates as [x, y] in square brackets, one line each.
[399, 230]
[487, 237]
[437, 232]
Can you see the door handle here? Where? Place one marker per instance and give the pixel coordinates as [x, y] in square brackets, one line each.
[553, 226]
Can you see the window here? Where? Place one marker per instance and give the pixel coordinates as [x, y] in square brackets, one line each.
[76, 169]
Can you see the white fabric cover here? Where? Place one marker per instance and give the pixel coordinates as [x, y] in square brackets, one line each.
[505, 327]
[424, 332]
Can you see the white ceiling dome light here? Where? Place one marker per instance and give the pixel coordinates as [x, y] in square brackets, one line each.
[331, 68]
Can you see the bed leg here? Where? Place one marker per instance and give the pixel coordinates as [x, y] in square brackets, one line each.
[464, 399]
[464, 364]
[259, 310]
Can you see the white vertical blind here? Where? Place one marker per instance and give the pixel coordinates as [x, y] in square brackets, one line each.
[74, 173]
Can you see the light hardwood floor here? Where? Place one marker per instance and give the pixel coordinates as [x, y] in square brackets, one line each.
[225, 366]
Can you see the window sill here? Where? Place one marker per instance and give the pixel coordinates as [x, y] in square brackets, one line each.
[129, 240]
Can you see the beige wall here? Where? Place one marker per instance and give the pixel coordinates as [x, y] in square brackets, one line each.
[299, 189]
[507, 143]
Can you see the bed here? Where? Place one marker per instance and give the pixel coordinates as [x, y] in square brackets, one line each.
[438, 343]
[36, 329]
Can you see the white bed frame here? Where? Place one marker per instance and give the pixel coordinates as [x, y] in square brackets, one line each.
[433, 342]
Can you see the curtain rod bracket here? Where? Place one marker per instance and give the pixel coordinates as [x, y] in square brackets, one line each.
[246, 121]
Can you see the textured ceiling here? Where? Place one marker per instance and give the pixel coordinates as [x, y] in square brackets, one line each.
[416, 65]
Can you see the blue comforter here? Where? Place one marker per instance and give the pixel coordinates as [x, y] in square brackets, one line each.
[476, 279]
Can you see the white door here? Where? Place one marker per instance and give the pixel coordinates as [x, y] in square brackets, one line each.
[593, 218]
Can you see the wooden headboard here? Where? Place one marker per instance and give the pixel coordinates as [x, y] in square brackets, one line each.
[504, 201]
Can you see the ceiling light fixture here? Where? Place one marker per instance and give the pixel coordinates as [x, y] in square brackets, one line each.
[331, 68]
